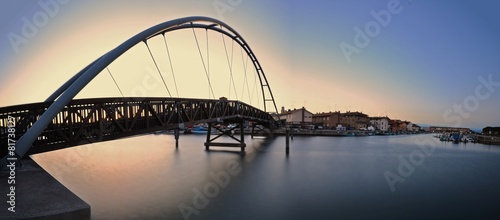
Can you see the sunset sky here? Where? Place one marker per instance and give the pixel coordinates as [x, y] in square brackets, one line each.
[429, 63]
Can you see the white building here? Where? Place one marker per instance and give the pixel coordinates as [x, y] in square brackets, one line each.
[409, 126]
[380, 123]
[296, 116]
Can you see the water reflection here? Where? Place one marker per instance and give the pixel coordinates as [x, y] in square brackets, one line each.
[322, 178]
[123, 178]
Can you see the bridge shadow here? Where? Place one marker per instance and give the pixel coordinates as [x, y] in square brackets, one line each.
[251, 150]
[237, 152]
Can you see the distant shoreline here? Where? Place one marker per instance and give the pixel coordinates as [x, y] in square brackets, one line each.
[334, 133]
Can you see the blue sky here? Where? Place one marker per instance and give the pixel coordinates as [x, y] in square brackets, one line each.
[427, 60]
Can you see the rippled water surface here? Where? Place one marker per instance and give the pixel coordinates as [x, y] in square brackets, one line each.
[376, 177]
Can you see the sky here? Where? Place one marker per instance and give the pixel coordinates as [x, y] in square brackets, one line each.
[429, 62]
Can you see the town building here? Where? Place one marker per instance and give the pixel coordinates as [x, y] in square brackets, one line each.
[398, 125]
[354, 120]
[300, 116]
[416, 127]
[409, 125]
[326, 119]
[380, 123]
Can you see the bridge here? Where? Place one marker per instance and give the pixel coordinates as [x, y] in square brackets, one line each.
[62, 121]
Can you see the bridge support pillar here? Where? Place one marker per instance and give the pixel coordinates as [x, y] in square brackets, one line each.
[258, 131]
[209, 141]
[242, 137]
[176, 134]
[230, 133]
[287, 134]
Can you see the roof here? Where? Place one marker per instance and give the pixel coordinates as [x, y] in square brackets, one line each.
[354, 114]
[323, 114]
[378, 118]
[295, 110]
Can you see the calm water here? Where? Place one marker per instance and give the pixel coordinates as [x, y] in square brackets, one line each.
[145, 177]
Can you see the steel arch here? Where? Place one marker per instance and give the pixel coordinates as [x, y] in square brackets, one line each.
[63, 95]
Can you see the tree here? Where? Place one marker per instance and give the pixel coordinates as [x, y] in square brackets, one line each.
[491, 130]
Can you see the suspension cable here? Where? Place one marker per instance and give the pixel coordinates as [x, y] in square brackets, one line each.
[157, 68]
[232, 64]
[230, 67]
[254, 87]
[204, 66]
[245, 67]
[208, 60]
[258, 90]
[115, 81]
[171, 66]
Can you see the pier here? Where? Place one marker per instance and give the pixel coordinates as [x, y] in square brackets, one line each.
[486, 139]
[38, 195]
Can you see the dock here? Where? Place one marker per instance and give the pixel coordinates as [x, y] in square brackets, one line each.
[486, 139]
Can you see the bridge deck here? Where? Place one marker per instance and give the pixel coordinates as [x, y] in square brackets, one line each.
[92, 120]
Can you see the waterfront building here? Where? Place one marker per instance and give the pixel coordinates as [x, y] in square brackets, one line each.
[299, 116]
[326, 119]
[354, 120]
[416, 127]
[409, 125]
[380, 123]
[397, 125]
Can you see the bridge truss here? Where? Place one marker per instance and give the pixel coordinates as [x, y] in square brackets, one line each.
[92, 120]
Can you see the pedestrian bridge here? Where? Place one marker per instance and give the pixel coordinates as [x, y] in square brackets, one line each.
[92, 120]
[62, 121]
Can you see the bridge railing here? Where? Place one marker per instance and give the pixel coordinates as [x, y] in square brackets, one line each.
[91, 120]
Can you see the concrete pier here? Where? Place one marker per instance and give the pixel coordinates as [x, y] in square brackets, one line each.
[38, 195]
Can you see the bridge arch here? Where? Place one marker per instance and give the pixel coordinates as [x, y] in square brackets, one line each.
[65, 94]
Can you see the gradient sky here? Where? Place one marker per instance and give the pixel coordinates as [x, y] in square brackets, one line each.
[426, 60]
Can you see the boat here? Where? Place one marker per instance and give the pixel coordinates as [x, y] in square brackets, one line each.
[455, 138]
[201, 129]
[350, 134]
